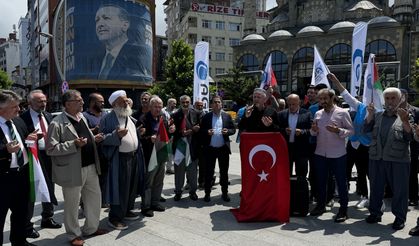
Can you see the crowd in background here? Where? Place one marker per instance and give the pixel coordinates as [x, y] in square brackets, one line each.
[108, 160]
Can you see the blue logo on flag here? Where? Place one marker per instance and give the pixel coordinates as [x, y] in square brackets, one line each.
[357, 63]
[202, 70]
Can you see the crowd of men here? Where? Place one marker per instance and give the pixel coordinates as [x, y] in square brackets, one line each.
[105, 160]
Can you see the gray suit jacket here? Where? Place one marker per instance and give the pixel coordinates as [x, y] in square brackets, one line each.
[65, 155]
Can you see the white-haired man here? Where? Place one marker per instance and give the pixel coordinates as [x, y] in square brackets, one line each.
[389, 156]
[154, 178]
[122, 149]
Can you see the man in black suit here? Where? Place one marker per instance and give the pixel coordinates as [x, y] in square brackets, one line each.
[294, 124]
[216, 127]
[259, 117]
[14, 170]
[37, 119]
[124, 59]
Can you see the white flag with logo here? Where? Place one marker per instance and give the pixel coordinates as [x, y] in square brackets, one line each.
[201, 74]
[320, 70]
[359, 37]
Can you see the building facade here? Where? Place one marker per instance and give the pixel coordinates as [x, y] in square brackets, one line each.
[220, 23]
[297, 25]
[9, 54]
[23, 32]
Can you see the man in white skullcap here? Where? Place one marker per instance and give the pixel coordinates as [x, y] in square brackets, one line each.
[122, 149]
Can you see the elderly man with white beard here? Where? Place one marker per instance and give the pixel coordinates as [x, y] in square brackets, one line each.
[122, 149]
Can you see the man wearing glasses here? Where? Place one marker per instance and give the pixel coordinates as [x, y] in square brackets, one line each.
[75, 167]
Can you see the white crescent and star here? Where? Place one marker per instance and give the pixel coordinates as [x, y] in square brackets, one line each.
[269, 150]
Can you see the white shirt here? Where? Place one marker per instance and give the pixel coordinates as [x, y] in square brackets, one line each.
[292, 123]
[37, 126]
[217, 139]
[6, 132]
[129, 142]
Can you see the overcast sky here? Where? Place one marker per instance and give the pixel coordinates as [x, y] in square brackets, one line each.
[12, 10]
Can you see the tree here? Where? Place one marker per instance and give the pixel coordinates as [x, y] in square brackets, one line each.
[415, 80]
[5, 82]
[239, 87]
[178, 71]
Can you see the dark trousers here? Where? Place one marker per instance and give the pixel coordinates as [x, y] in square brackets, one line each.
[201, 166]
[395, 175]
[413, 178]
[103, 177]
[153, 187]
[47, 207]
[221, 154]
[301, 161]
[324, 168]
[360, 158]
[14, 194]
[128, 180]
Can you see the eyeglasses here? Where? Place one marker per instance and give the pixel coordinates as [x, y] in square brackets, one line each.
[79, 101]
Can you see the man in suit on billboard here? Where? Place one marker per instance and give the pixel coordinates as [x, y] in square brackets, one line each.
[123, 59]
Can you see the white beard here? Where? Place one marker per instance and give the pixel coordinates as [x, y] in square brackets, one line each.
[123, 112]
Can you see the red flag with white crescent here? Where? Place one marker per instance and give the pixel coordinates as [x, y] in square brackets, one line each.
[265, 192]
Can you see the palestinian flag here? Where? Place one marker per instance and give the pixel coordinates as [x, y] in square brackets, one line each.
[373, 90]
[182, 147]
[38, 187]
[161, 149]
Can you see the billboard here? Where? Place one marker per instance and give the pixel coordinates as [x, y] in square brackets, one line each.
[108, 40]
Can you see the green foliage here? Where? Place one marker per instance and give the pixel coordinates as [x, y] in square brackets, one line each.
[414, 80]
[239, 87]
[5, 81]
[178, 71]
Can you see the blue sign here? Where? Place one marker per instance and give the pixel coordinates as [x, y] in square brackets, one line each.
[202, 70]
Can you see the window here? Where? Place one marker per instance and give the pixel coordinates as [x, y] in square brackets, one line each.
[220, 56]
[206, 39]
[206, 24]
[339, 54]
[209, 55]
[220, 25]
[219, 70]
[192, 38]
[302, 68]
[248, 62]
[384, 51]
[234, 26]
[220, 41]
[230, 56]
[234, 41]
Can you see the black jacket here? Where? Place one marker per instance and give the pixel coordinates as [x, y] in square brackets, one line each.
[304, 123]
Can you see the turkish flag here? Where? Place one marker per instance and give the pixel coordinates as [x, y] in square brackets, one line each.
[265, 192]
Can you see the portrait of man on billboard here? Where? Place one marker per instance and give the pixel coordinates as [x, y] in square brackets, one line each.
[127, 55]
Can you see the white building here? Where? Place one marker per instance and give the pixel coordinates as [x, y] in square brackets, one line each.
[219, 23]
[9, 55]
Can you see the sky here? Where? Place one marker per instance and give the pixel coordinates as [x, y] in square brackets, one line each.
[12, 10]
